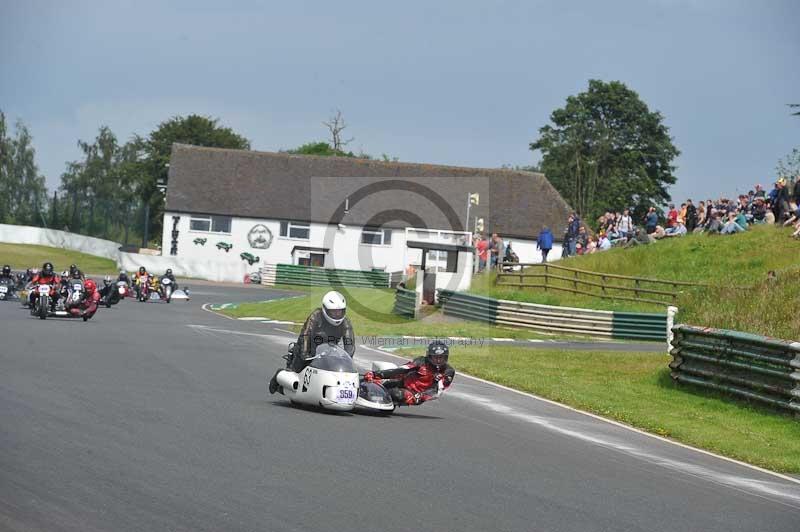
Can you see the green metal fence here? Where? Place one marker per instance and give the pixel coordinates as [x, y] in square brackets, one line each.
[747, 365]
[552, 319]
[311, 276]
[405, 303]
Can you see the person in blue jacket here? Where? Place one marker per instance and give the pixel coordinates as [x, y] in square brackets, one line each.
[544, 242]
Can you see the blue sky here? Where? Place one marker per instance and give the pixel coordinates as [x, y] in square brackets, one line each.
[451, 82]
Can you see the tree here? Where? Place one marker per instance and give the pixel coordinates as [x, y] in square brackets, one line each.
[323, 149]
[607, 151]
[336, 125]
[789, 166]
[157, 147]
[23, 195]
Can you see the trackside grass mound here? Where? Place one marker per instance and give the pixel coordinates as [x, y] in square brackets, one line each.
[736, 266]
[636, 389]
[370, 311]
[23, 256]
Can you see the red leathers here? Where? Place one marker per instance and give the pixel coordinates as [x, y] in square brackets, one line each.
[88, 306]
[415, 382]
[44, 278]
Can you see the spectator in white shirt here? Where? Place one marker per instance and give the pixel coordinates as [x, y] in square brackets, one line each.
[625, 225]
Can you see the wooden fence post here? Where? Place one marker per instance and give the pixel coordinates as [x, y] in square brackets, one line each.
[545, 277]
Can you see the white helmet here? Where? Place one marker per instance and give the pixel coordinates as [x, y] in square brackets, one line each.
[333, 307]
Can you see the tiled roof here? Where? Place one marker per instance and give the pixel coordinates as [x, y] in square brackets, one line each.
[307, 188]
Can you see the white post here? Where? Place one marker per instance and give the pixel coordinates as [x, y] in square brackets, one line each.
[468, 205]
[418, 291]
[671, 312]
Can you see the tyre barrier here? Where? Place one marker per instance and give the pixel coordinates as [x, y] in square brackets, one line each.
[548, 318]
[281, 274]
[750, 366]
[405, 303]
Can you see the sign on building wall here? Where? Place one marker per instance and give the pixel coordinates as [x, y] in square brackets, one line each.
[260, 237]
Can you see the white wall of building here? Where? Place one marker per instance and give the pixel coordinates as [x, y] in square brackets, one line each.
[527, 252]
[344, 244]
[346, 251]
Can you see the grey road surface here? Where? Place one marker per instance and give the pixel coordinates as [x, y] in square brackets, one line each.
[156, 417]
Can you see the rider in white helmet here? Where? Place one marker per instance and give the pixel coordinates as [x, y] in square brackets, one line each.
[327, 324]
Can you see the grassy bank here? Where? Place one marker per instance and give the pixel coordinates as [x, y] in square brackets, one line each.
[635, 388]
[369, 310]
[728, 263]
[23, 256]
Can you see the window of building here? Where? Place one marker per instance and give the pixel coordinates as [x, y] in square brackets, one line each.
[376, 236]
[296, 230]
[210, 224]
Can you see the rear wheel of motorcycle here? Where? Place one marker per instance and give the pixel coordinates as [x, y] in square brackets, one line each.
[85, 318]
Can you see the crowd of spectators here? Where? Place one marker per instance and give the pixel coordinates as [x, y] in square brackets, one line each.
[492, 252]
[725, 216]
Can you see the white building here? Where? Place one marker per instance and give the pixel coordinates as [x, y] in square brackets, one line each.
[334, 212]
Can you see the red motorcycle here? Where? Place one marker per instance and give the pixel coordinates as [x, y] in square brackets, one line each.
[143, 283]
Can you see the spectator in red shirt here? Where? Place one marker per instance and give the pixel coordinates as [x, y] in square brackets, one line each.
[672, 216]
[482, 246]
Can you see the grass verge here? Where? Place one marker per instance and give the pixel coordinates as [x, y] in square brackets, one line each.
[636, 389]
[727, 263]
[370, 311]
[23, 256]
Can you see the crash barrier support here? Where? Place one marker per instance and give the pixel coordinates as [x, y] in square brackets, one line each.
[552, 319]
[746, 365]
[602, 285]
[282, 274]
[406, 303]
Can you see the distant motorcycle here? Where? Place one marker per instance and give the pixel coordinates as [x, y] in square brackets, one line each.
[124, 290]
[8, 289]
[42, 307]
[109, 294]
[166, 288]
[143, 284]
[75, 292]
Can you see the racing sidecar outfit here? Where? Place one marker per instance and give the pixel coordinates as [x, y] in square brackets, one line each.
[87, 307]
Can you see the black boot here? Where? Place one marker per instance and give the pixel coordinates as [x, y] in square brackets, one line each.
[273, 382]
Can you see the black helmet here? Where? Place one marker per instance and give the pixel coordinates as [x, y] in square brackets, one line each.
[47, 269]
[72, 268]
[437, 354]
[76, 273]
[142, 271]
[6, 270]
[169, 271]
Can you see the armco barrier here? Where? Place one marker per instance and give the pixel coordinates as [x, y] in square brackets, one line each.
[25, 234]
[405, 303]
[212, 270]
[547, 318]
[281, 274]
[747, 365]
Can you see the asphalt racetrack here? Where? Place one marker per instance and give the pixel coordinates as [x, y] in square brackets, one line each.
[155, 417]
